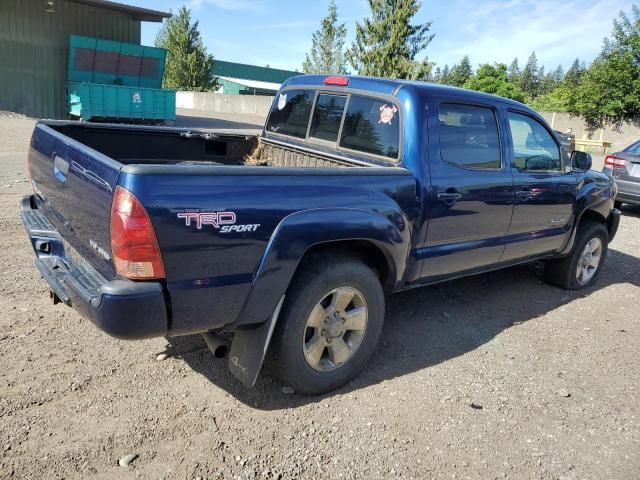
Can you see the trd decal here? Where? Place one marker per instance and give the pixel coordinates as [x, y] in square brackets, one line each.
[225, 222]
[214, 219]
[239, 228]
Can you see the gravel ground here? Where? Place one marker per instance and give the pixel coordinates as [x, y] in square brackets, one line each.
[497, 376]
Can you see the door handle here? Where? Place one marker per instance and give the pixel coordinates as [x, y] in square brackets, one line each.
[449, 197]
[524, 194]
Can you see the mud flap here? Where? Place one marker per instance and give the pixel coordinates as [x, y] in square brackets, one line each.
[249, 348]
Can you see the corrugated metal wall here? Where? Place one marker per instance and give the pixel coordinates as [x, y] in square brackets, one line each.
[34, 47]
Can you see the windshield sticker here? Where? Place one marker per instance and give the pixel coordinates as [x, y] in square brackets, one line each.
[387, 113]
[282, 101]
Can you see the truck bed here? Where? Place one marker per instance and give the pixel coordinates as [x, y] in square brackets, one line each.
[143, 145]
[76, 168]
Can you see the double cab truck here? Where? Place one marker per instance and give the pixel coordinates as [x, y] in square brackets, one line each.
[288, 243]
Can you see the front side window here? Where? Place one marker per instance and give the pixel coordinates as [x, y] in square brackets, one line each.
[534, 149]
[469, 136]
[371, 126]
[327, 117]
[290, 113]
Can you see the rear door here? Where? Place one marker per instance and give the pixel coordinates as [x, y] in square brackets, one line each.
[544, 189]
[472, 188]
[75, 186]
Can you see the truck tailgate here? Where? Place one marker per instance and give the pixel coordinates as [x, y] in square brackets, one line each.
[75, 186]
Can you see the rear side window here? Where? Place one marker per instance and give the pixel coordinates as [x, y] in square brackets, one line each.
[634, 149]
[371, 126]
[327, 117]
[469, 136]
[290, 113]
[534, 148]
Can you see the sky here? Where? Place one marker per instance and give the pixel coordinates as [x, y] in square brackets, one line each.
[278, 32]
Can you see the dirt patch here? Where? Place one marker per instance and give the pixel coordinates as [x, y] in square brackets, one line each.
[497, 376]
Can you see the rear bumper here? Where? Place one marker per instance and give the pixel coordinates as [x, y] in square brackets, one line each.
[122, 308]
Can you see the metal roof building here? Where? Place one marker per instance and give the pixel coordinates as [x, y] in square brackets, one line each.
[239, 78]
[34, 46]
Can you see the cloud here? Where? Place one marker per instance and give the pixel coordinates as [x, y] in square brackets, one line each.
[230, 5]
[500, 31]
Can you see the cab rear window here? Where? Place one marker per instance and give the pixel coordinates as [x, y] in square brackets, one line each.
[327, 117]
[290, 113]
[371, 126]
[347, 122]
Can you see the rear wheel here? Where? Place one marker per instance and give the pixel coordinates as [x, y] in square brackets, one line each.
[329, 326]
[582, 266]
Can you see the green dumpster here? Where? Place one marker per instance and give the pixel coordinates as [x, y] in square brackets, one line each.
[114, 81]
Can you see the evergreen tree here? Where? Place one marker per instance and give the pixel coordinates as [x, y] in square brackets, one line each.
[575, 73]
[189, 66]
[548, 82]
[387, 44]
[327, 53]
[609, 91]
[461, 73]
[494, 79]
[558, 74]
[563, 97]
[446, 74]
[529, 79]
[437, 76]
[513, 72]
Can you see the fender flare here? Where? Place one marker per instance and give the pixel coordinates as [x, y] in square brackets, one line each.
[298, 232]
[291, 239]
[587, 202]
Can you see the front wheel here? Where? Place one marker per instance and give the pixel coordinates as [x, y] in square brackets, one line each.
[330, 325]
[582, 266]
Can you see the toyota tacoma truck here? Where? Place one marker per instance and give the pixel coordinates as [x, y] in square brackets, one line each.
[288, 243]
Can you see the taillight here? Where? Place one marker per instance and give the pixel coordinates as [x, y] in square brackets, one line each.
[134, 246]
[338, 81]
[615, 162]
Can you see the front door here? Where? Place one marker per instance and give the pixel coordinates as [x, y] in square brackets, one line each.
[544, 191]
[471, 189]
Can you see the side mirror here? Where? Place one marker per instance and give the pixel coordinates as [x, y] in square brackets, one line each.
[581, 161]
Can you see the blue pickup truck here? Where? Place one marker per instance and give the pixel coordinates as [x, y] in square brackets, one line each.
[357, 188]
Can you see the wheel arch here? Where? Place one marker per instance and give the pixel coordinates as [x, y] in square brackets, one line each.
[368, 252]
[596, 211]
[381, 241]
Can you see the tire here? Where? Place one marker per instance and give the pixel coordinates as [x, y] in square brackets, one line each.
[617, 204]
[311, 292]
[564, 272]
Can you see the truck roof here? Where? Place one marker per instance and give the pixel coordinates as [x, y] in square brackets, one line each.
[390, 87]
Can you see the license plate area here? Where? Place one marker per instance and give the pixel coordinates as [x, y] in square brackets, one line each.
[82, 271]
[71, 256]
